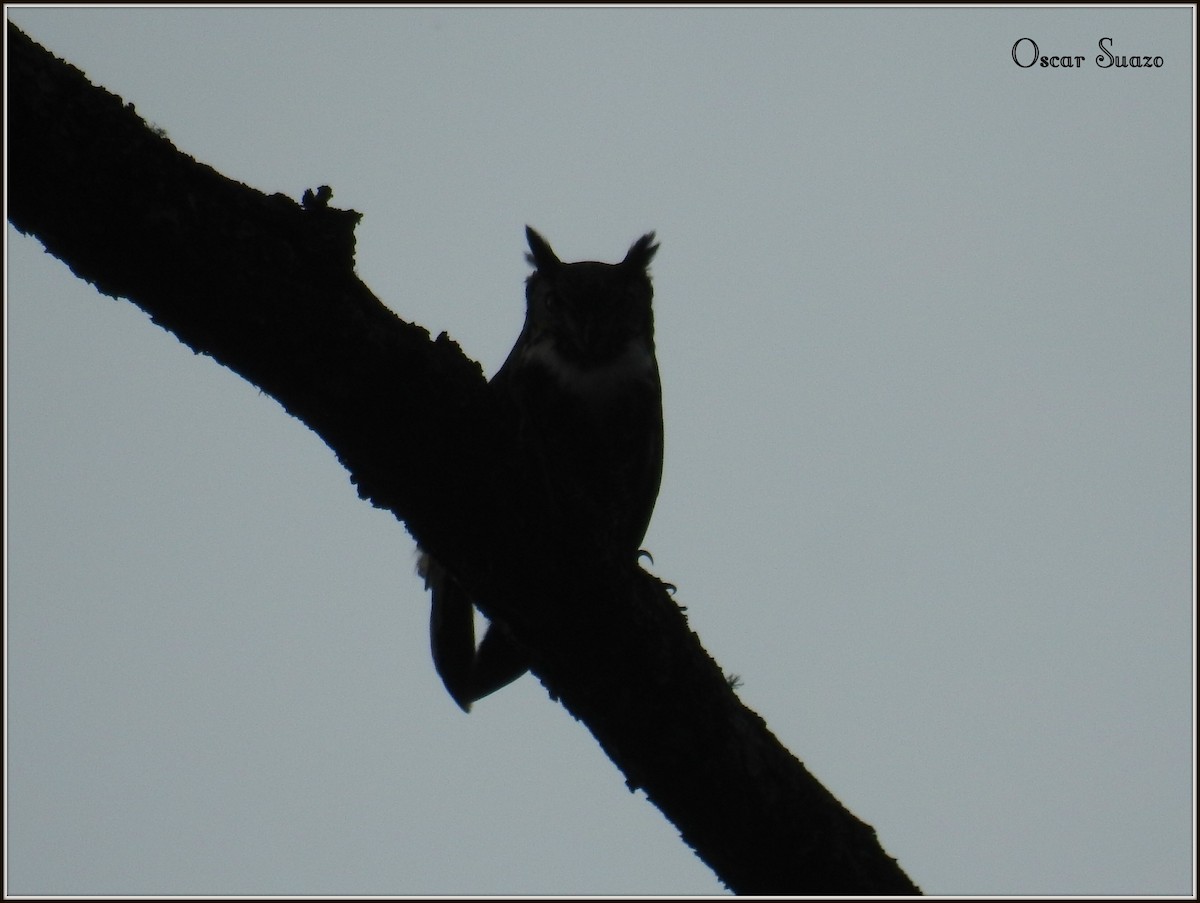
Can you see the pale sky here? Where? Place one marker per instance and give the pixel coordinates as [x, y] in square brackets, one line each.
[925, 323]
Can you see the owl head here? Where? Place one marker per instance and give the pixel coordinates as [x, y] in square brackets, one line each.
[589, 316]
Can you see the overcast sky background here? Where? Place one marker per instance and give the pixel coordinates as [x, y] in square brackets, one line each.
[925, 323]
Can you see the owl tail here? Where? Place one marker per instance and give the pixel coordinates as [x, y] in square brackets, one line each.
[468, 673]
[451, 635]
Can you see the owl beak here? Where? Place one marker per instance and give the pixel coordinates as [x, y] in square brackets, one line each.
[592, 339]
[580, 334]
[586, 335]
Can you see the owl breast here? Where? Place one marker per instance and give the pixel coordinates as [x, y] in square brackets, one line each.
[634, 366]
[596, 433]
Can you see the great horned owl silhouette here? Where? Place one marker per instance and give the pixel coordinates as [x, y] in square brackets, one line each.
[583, 381]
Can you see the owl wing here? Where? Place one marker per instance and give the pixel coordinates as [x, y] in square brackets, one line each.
[498, 662]
[468, 673]
[649, 475]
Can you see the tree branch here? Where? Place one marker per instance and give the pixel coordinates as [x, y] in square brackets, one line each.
[267, 288]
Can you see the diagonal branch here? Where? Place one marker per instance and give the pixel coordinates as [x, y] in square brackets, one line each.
[266, 287]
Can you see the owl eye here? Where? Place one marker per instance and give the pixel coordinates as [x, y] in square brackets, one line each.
[549, 301]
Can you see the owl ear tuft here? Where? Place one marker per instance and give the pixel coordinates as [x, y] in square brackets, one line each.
[541, 255]
[641, 252]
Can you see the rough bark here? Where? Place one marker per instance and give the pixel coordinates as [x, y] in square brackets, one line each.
[266, 287]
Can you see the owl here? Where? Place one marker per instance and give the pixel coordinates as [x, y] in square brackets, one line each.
[582, 381]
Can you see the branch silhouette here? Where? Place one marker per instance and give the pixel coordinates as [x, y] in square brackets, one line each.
[266, 287]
